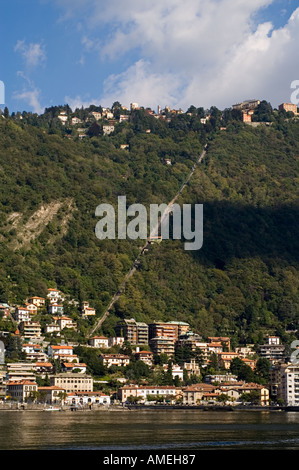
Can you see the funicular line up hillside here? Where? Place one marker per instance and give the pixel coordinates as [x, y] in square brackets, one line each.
[147, 244]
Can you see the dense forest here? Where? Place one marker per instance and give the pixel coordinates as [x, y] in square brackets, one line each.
[243, 282]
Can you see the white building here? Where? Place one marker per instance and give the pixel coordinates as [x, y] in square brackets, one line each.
[99, 342]
[22, 314]
[87, 398]
[55, 309]
[52, 328]
[288, 388]
[144, 392]
[108, 129]
[55, 296]
[54, 350]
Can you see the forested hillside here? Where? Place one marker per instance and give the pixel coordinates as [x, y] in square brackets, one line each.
[243, 282]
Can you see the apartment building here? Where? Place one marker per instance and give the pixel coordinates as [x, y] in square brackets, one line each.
[165, 330]
[72, 382]
[190, 340]
[55, 309]
[30, 329]
[224, 340]
[132, 331]
[288, 384]
[55, 296]
[162, 345]
[21, 390]
[272, 350]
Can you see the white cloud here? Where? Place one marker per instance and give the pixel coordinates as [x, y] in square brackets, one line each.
[201, 52]
[33, 54]
[31, 97]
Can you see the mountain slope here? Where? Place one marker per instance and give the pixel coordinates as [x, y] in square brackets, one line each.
[244, 280]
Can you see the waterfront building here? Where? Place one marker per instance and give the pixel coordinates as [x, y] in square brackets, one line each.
[21, 390]
[287, 383]
[144, 392]
[51, 394]
[72, 382]
[193, 394]
[87, 398]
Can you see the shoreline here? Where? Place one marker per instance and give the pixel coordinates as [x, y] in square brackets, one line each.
[130, 408]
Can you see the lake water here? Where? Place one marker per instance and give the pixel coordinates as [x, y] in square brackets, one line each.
[153, 430]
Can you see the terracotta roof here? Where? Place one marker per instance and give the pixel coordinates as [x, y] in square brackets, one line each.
[21, 382]
[74, 364]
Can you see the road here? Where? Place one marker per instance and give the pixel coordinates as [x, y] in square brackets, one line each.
[146, 245]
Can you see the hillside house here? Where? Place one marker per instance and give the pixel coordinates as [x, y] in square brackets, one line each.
[32, 308]
[120, 360]
[65, 322]
[71, 366]
[55, 296]
[55, 309]
[108, 129]
[4, 310]
[55, 350]
[22, 314]
[86, 310]
[39, 302]
[145, 356]
[99, 342]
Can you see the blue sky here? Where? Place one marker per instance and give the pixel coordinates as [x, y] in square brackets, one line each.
[154, 52]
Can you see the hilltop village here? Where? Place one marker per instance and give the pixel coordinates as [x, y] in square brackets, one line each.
[160, 362]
